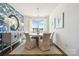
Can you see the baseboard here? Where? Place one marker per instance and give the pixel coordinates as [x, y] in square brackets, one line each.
[60, 49]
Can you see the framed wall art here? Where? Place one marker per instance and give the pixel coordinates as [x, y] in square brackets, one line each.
[59, 21]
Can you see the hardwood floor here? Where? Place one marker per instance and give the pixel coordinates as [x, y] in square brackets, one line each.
[21, 51]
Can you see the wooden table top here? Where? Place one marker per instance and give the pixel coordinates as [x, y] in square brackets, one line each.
[35, 34]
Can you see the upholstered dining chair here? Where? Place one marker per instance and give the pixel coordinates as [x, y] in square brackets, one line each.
[44, 43]
[30, 43]
[51, 38]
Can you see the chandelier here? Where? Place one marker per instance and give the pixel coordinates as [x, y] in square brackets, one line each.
[37, 12]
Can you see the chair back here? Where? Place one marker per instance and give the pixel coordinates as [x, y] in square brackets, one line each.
[45, 45]
[30, 43]
[52, 34]
[46, 37]
[27, 36]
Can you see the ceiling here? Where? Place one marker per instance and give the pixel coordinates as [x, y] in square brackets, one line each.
[31, 8]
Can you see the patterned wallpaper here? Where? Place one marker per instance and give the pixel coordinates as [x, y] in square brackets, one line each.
[7, 9]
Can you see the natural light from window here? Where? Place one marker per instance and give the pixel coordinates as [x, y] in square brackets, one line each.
[37, 25]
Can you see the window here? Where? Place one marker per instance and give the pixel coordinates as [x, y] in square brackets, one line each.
[37, 25]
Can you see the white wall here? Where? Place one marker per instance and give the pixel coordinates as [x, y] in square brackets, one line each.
[68, 37]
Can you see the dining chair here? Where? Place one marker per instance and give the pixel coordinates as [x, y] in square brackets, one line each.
[30, 43]
[51, 38]
[44, 43]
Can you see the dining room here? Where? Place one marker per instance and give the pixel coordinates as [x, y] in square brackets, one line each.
[27, 32]
[36, 37]
[38, 29]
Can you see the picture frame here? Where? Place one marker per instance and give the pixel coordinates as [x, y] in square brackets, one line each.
[54, 22]
[59, 21]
